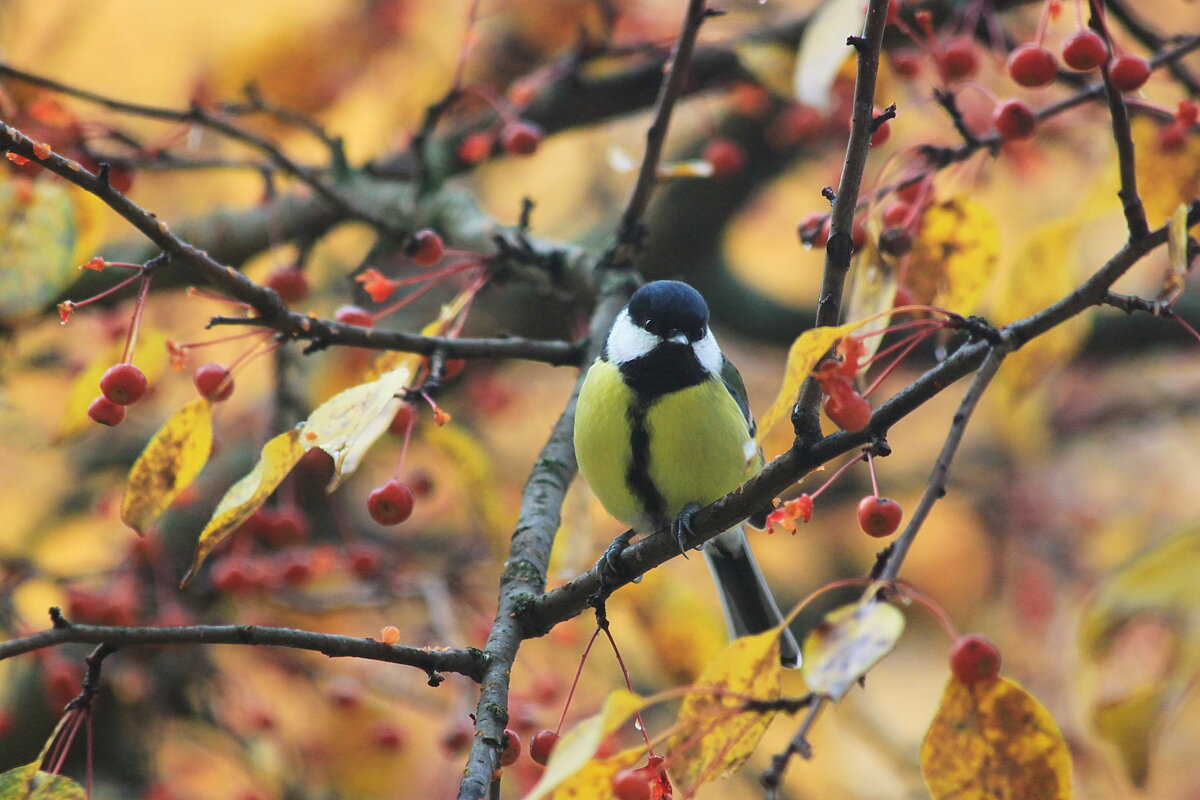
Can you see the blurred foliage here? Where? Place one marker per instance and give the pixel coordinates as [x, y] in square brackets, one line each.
[1083, 458]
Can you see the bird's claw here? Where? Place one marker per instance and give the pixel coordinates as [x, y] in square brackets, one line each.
[682, 526]
[608, 563]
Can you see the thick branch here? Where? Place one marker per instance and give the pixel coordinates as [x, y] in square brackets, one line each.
[469, 662]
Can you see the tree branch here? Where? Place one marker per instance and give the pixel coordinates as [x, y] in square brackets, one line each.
[469, 662]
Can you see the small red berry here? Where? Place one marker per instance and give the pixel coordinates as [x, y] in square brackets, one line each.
[848, 410]
[1172, 136]
[1085, 51]
[906, 63]
[813, 230]
[391, 503]
[879, 516]
[1032, 65]
[289, 283]
[354, 315]
[457, 736]
[882, 133]
[363, 560]
[629, 784]
[106, 412]
[6, 724]
[386, 736]
[426, 249]
[213, 381]
[895, 241]
[124, 384]
[475, 147]
[521, 138]
[512, 748]
[896, 213]
[542, 745]
[959, 59]
[1129, 73]
[1014, 120]
[229, 575]
[316, 468]
[974, 658]
[403, 419]
[725, 155]
[1187, 112]
[287, 526]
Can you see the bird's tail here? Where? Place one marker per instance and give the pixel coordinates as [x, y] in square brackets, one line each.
[749, 606]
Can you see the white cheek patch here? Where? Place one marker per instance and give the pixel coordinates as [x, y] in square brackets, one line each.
[709, 354]
[627, 341]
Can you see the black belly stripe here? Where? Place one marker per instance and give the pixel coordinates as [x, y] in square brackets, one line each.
[637, 477]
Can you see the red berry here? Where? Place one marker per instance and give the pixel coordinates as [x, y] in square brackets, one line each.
[879, 516]
[794, 123]
[911, 191]
[287, 526]
[726, 156]
[391, 503]
[896, 213]
[512, 748]
[813, 230]
[344, 694]
[6, 724]
[542, 745]
[628, 784]
[426, 249]
[895, 241]
[1014, 120]
[858, 235]
[974, 658]
[1172, 136]
[289, 283]
[106, 412]
[353, 315]
[848, 410]
[1085, 51]
[124, 384]
[457, 736]
[386, 736]
[906, 63]
[1032, 65]
[403, 418]
[453, 368]
[521, 138]
[316, 468]
[1187, 112]
[213, 381]
[229, 575]
[959, 59]
[1129, 73]
[363, 560]
[882, 133]
[475, 147]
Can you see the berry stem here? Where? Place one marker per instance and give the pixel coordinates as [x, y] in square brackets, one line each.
[641, 725]
[929, 604]
[106, 292]
[135, 322]
[837, 474]
[1041, 28]
[465, 47]
[408, 429]
[575, 681]
[871, 469]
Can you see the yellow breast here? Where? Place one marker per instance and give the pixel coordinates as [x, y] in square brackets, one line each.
[698, 446]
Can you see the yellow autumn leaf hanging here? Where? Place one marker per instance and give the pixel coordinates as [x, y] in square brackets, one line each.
[171, 461]
[243, 498]
[992, 740]
[848, 642]
[30, 783]
[954, 255]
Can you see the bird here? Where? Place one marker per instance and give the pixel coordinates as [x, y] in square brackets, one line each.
[663, 428]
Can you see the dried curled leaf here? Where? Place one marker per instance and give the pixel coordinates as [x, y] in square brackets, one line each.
[847, 643]
[1166, 177]
[571, 763]
[713, 734]
[992, 740]
[171, 461]
[802, 357]
[243, 498]
[30, 783]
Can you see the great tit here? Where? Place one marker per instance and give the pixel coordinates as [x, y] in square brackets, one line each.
[663, 428]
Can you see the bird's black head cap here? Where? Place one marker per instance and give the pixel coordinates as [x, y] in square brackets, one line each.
[665, 308]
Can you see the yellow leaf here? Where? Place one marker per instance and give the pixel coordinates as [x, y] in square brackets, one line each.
[1177, 240]
[1131, 724]
[242, 499]
[1161, 581]
[847, 643]
[594, 780]
[872, 293]
[347, 424]
[992, 740]
[771, 64]
[30, 783]
[712, 734]
[37, 237]
[954, 255]
[171, 461]
[802, 357]
[823, 50]
[476, 474]
[150, 357]
[1165, 178]
[576, 749]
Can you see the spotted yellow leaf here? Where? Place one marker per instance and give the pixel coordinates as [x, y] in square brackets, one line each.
[30, 783]
[171, 461]
[954, 255]
[38, 232]
[847, 643]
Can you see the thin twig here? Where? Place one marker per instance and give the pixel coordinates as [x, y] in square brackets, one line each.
[469, 662]
[1121, 11]
[798, 745]
[805, 418]
[629, 231]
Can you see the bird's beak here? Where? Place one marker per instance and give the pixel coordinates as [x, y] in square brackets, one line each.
[678, 338]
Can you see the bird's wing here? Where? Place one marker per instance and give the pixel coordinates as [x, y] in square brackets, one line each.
[737, 389]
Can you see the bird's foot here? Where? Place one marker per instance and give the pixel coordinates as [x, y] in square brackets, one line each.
[682, 526]
[609, 561]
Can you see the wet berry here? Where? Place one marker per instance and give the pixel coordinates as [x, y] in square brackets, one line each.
[629, 784]
[974, 658]
[879, 516]
[427, 248]
[542, 745]
[391, 503]
[124, 384]
[106, 412]
[512, 748]
[213, 381]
